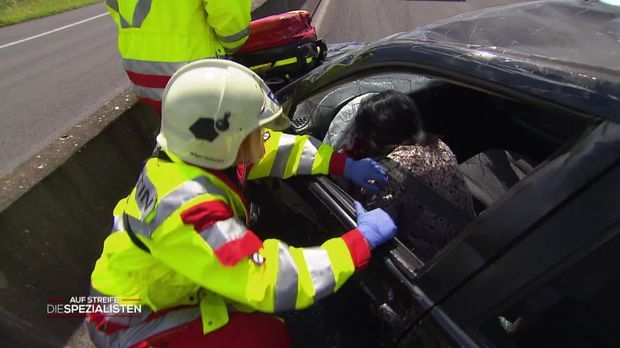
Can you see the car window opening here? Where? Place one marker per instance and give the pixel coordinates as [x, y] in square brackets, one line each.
[478, 145]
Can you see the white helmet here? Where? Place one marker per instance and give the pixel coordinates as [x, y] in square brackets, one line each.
[209, 106]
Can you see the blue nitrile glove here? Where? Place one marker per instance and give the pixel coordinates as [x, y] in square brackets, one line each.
[375, 225]
[363, 170]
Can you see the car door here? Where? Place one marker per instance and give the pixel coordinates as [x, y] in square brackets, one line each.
[448, 297]
[562, 217]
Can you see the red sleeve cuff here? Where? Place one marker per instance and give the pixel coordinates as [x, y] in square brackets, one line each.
[205, 214]
[358, 247]
[234, 251]
[336, 163]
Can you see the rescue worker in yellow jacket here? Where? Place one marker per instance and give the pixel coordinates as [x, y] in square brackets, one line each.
[180, 246]
[155, 38]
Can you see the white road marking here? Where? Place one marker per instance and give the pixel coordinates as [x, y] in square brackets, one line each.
[53, 31]
[319, 15]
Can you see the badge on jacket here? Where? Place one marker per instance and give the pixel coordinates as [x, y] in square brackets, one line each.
[146, 195]
[258, 259]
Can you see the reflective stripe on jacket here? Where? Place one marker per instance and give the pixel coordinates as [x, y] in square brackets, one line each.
[155, 38]
[201, 252]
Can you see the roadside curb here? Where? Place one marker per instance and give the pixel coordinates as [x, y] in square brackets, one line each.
[18, 181]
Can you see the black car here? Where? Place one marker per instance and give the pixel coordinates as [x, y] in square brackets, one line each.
[528, 98]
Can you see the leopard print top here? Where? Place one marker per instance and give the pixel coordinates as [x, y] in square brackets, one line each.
[419, 226]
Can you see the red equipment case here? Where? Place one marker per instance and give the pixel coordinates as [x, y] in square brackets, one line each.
[282, 47]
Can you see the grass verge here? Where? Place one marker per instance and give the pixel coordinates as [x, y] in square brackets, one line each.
[17, 11]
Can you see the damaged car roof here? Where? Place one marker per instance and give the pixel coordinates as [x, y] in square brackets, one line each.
[585, 33]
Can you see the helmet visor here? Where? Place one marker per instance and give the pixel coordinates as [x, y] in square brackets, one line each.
[270, 115]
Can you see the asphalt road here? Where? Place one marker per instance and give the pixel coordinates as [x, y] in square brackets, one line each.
[57, 70]
[49, 83]
[369, 20]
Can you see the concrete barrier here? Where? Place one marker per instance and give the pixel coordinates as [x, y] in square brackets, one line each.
[56, 215]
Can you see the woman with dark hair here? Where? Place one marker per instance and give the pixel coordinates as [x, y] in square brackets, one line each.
[389, 124]
[383, 121]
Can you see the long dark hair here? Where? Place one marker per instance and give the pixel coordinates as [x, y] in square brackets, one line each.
[385, 120]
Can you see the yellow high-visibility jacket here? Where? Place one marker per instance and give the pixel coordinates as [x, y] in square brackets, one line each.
[156, 38]
[192, 221]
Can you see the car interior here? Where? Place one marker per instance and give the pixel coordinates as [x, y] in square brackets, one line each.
[497, 139]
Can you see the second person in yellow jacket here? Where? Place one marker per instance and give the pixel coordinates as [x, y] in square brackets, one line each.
[156, 38]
